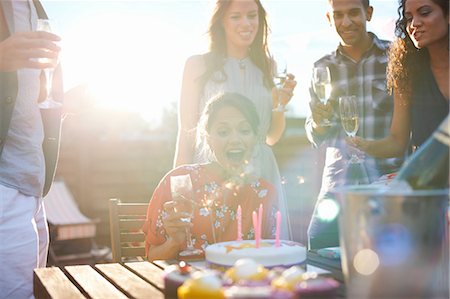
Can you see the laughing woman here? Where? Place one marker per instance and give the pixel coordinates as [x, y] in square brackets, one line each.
[229, 126]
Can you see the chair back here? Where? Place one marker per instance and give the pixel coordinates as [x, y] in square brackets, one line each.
[65, 218]
[126, 221]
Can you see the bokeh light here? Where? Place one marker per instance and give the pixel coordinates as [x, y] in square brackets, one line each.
[327, 209]
[393, 244]
[366, 261]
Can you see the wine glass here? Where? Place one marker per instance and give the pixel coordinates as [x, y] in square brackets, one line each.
[322, 87]
[348, 109]
[183, 196]
[48, 25]
[279, 79]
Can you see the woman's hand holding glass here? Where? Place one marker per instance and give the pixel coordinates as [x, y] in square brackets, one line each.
[284, 84]
[174, 226]
[282, 93]
[360, 143]
[349, 113]
[279, 78]
[184, 205]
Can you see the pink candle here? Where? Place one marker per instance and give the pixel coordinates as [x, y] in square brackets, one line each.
[277, 233]
[255, 227]
[260, 217]
[239, 223]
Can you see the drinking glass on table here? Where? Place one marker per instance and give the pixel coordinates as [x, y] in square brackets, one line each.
[348, 110]
[279, 79]
[322, 87]
[183, 196]
[48, 25]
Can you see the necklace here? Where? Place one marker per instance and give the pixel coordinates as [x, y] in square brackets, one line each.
[242, 64]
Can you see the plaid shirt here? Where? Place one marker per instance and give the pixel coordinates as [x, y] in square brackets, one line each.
[367, 80]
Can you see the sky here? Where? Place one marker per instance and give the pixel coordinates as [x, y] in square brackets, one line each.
[131, 54]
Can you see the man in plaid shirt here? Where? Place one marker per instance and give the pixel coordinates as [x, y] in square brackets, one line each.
[357, 67]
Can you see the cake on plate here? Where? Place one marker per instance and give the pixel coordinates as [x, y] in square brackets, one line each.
[174, 276]
[225, 254]
[202, 285]
[305, 284]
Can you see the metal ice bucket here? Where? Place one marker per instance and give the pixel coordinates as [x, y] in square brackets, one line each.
[394, 244]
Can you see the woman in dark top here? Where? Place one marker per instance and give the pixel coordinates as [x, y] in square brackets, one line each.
[418, 73]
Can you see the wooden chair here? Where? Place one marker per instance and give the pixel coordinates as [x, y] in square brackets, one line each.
[127, 238]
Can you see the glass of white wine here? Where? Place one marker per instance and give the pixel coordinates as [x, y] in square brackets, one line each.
[183, 196]
[279, 79]
[48, 25]
[348, 109]
[322, 87]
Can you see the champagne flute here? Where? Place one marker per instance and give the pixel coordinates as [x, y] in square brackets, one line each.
[279, 79]
[322, 87]
[48, 25]
[183, 196]
[348, 109]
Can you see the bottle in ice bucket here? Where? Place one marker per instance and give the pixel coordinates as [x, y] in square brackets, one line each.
[428, 167]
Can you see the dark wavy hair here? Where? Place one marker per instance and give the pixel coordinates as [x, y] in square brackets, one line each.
[405, 60]
[230, 99]
[209, 114]
[258, 51]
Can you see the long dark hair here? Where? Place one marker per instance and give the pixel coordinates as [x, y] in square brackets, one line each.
[405, 60]
[258, 51]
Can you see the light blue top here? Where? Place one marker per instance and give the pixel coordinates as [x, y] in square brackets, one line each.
[22, 165]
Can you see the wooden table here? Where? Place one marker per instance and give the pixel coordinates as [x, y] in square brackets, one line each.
[128, 280]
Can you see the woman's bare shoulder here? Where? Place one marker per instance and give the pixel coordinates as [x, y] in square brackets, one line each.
[195, 64]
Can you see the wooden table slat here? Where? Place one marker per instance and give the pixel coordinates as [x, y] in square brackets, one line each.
[95, 285]
[163, 264]
[149, 272]
[132, 284]
[53, 283]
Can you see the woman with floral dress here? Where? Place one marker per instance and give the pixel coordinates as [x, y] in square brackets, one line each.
[228, 126]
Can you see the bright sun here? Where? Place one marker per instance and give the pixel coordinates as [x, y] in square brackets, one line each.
[129, 62]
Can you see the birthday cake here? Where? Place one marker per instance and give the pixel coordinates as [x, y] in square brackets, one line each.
[248, 280]
[225, 254]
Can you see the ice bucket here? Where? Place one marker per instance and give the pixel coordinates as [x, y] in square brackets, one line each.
[394, 244]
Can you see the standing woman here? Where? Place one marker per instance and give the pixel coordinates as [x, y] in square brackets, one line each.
[418, 72]
[238, 61]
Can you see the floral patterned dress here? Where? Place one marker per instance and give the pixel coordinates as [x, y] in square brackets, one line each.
[214, 217]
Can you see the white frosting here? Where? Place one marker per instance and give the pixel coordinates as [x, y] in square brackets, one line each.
[206, 280]
[293, 274]
[248, 292]
[227, 253]
[244, 268]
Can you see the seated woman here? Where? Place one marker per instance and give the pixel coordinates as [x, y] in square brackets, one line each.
[229, 125]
